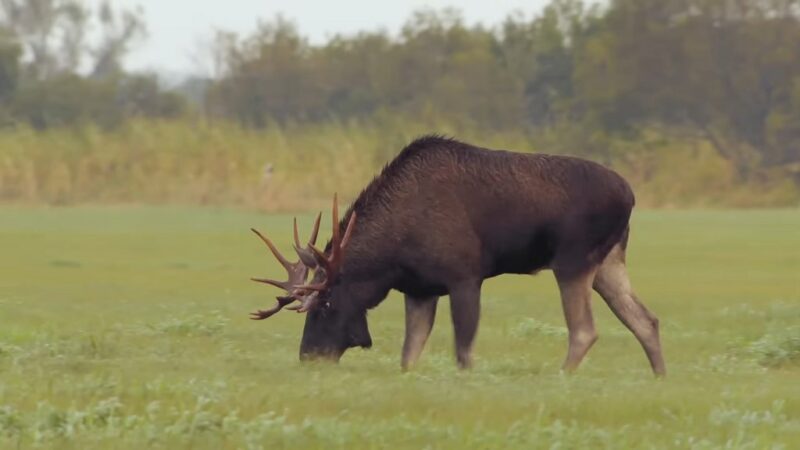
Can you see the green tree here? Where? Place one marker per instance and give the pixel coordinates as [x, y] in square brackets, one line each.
[45, 41]
[9, 66]
[269, 76]
[725, 71]
[717, 68]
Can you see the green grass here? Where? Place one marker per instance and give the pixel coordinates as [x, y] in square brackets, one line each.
[127, 328]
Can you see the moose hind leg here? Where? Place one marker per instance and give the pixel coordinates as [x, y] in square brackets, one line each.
[576, 296]
[420, 315]
[613, 284]
[465, 309]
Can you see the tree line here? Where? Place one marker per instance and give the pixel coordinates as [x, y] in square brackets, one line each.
[725, 71]
[52, 74]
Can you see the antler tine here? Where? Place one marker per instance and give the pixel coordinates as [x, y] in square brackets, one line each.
[350, 225]
[296, 234]
[306, 256]
[318, 287]
[314, 233]
[278, 284]
[335, 216]
[262, 314]
[284, 262]
[313, 239]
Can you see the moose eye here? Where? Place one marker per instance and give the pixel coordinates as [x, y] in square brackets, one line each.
[326, 305]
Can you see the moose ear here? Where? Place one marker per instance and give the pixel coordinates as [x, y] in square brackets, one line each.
[308, 258]
[319, 259]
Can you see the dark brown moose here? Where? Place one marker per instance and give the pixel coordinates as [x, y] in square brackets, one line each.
[442, 217]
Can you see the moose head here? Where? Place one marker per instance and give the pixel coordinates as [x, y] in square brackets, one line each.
[333, 322]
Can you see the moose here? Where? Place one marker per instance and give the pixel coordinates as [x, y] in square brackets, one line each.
[445, 215]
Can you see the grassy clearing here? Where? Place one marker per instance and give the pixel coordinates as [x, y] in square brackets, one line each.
[127, 328]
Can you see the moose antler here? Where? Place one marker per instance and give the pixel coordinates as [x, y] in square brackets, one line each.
[332, 264]
[310, 258]
[308, 302]
[298, 272]
[305, 254]
[262, 314]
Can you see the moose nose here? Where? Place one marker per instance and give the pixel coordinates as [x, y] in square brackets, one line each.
[366, 343]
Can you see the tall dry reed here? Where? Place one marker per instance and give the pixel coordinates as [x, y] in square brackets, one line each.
[298, 166]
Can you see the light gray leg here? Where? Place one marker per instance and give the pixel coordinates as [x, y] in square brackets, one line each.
[613, 285]
[420, 315]
[576, 296]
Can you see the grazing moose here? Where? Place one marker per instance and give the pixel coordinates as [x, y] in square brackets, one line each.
[442, 217]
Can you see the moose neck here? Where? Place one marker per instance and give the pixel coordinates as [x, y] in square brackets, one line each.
[361, 295]
[367, 276]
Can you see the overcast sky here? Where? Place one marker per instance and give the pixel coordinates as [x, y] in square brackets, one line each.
[177, 28]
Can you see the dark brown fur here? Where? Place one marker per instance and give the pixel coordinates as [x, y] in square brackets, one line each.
[445, 215]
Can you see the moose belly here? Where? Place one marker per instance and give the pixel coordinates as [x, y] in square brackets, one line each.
[415, 285]
[508, 256]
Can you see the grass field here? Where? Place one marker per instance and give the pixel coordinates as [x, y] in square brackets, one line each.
[127, 328]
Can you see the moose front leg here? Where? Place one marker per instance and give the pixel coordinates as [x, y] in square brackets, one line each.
[420, 315]
[465, 309]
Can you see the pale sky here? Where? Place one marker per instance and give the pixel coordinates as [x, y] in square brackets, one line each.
[178, 28]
